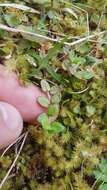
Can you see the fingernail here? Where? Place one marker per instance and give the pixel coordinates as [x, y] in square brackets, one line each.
[11, 124]
[10, 116]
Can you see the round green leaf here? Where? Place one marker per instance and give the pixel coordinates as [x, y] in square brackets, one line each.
[57, 127]
[45, 85]
[43, 101]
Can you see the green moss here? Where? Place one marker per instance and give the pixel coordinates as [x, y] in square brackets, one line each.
[66, 160]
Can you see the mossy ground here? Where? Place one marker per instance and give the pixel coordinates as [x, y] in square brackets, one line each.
[77, 76]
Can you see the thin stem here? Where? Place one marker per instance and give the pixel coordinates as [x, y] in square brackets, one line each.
[14, 162]
[87, 38]
[19, 138]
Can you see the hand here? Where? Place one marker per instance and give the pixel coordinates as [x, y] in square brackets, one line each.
[19, 103]
[24, 98]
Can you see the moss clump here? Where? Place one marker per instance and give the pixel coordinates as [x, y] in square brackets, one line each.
[76, 78]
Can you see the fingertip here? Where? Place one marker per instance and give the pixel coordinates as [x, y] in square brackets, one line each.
[11, 124]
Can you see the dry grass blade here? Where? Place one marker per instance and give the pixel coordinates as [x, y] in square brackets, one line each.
[102, 14]
[14, 162]
[70, 11]
[19, 6]
[18, 139]
[16, 30]
[87, 17]
[87, 38]
[80, 92]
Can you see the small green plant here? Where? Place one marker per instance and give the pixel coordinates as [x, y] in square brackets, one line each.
[101, 174]
[52, 128]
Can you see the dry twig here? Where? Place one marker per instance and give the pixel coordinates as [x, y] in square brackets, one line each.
[14, 162]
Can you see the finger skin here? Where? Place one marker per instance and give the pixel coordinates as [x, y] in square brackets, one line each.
[11, 124]
[24, 98]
